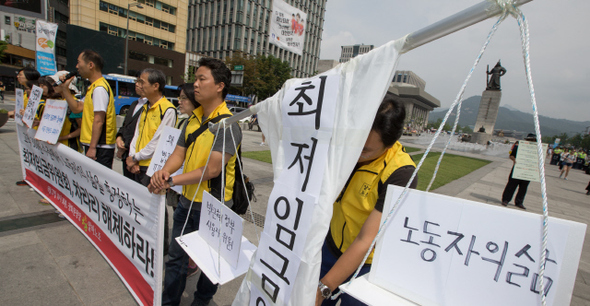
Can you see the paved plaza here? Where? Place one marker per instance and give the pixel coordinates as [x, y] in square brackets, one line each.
[44, 260]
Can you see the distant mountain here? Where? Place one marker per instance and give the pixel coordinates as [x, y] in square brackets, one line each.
[509, 118]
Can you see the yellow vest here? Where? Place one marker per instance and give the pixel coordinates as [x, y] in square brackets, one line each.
[358, 199]
[66, 129]
[39, 113]
[25, 100]
[198, 152]
[109, 128]
[149, 121]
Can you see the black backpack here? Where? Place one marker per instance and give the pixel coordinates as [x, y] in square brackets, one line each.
[240, 196]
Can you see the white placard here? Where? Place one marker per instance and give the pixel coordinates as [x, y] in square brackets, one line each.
[221, 228]
[440, 250]
[287, 27]
[31, 110]
[206, 258]
[527, 161]
[166, 146]
[52, 121]
[20, 104]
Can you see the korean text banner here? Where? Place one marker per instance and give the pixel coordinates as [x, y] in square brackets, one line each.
[353, 103]
[119, 217]
[45, 47]
[287, 27]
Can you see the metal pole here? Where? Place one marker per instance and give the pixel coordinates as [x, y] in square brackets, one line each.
[127, 38]
[454, 23]
[451, 24]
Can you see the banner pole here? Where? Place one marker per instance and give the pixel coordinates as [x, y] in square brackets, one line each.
[454, 23]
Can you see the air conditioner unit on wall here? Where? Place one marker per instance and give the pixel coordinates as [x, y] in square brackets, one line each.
[149, 42]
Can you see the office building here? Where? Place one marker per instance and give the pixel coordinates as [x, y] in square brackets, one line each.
[349, 52]
[157, 33]
[218, 28]
[411, 90]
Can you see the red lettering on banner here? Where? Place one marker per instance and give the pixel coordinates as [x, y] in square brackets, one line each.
[125, 268]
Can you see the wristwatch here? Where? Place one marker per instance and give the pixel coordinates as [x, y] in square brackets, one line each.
[133, 158]
[170, 181]
[324, 290]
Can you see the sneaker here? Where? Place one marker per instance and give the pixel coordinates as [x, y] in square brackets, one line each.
[521, 206]
[21, 183]
[565, 178]
[192, 271]
[262, 144]
[504, 203]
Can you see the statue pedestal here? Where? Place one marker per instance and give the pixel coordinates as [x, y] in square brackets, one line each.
[488, 111]
[481, 138]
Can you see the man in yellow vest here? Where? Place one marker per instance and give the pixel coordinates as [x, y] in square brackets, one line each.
[211, 87]
[99, 123]
[157, 113]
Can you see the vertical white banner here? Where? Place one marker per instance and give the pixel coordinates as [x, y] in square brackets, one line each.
[45, 47]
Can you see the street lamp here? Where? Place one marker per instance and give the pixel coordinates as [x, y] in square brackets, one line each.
[127, 33]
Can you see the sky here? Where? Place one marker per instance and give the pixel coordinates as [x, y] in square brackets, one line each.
[559, 48]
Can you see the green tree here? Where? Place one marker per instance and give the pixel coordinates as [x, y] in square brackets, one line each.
[263, 75]
[3, 46]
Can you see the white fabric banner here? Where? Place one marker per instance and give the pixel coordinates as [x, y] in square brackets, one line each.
[287, 27]
[118, 216]
[362, 84]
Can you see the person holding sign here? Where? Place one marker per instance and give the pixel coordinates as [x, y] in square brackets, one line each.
[99, 123]
[23, 76]
[357, 211]
[513, 183]
[70, 131]
[203, 158]
[127, 130]
[157, 113]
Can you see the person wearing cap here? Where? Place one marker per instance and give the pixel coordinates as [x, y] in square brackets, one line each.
[99, 122]
[513, 183]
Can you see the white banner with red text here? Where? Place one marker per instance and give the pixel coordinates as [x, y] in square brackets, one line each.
[118, 216]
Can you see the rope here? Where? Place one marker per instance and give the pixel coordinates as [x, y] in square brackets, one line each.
[239, 164]
[524, 36]
[457, 101]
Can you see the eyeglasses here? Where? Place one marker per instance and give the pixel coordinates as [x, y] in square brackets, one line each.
[183, 98]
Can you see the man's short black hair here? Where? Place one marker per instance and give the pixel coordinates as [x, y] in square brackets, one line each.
[156, 76]
[91, 56]
[220, 72]
[389, 121]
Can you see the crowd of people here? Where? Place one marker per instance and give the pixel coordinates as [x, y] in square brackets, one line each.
[91, 130]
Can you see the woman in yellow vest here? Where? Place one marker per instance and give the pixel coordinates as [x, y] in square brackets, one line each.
[357, 210]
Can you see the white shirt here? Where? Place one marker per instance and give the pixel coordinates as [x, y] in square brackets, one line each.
[147, 152]
[100, 102]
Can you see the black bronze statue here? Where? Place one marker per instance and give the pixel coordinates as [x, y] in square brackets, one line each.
[494, 80]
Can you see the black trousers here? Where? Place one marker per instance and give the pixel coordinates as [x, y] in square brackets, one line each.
[142, 178]
[511, 187]
[103, 156]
